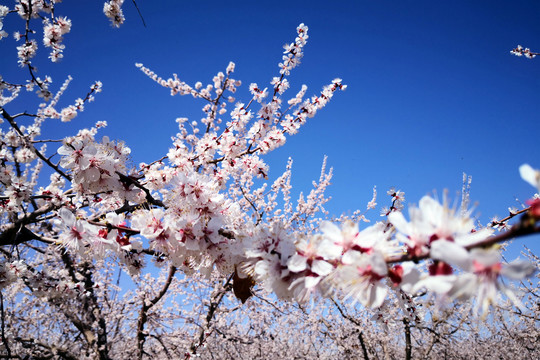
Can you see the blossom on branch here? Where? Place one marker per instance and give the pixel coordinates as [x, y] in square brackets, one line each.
[520, 51]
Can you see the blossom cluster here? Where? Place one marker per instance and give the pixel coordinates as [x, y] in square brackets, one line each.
[359, 262]
[52, 35]
[113, 10]
[44, 286]
[3, 12]
[520, 51]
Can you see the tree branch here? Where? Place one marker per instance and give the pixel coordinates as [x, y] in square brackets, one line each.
[28, 143]
[146, 306]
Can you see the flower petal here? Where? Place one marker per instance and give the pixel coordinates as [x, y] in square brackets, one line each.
[450, 253]
[321, 267]
[518, 269]
[530, 175]
[297, 263]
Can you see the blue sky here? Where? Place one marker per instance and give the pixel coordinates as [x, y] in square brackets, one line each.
[432, 88]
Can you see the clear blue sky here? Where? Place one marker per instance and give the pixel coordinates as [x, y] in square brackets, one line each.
[432, 88]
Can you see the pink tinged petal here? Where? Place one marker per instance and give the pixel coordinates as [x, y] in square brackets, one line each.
[297, 263]
[321, 267]
[450, 253]
[530, 175]
[349, 230]
[487, 258]
[518, 269]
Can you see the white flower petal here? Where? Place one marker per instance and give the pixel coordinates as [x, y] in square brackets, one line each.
[464, 287]
[321, 267]
[91, 174]
[485, 257]
[377, 295]
[67, 216]
[410, 277]
[440, 284]
[329, 250]
[297, 263]
[311, 281]
[351, 257]
[518, 269]
[431, 209]
[398, 220]
[474, 237]
[331, 231]
[378, 264]
[450, 253]
[530, 175]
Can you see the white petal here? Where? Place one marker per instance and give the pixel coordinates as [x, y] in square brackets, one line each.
[329, 250]
[192, 244]
[297, 263]
[64, 150]
[410, 277]
[90, 149]
[440, 284]
[474, 237]
[349, 229]
[311, 281]
[67, 216]
[331, 231]
[351, 257]
[431, 209]
[262, 268]
[377, 295]
[378, 264]
[451, 253]
[398, 220]
[84, 162]
[321, 267]
[518, 269]
[91, 174]
[487, 257]
[530, 175]
[464, 287]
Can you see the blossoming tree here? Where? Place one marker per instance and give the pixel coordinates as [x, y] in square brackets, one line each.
[206, 210]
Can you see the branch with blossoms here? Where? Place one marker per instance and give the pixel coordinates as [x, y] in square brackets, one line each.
[526, 226]
[520, 51]
[462, 258]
